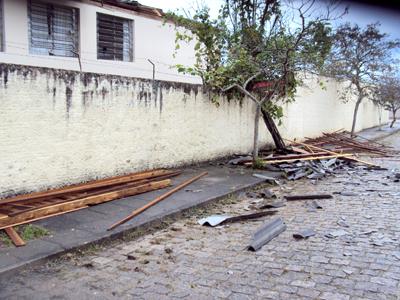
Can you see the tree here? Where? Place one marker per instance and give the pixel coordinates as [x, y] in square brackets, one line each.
[387, 94]
[359, 56]
[256, 49]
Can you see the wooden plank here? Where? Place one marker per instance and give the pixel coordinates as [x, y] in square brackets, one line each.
[74, 204]
[14, 236]
[334, 153]
[156, 200]
[300, 150]
[290, 156]
[89, 185]
[47, 216]
[303, 159]
[46, 203]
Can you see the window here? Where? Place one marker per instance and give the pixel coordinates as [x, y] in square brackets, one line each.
[114, 38]
[53, 29]
[1, 27]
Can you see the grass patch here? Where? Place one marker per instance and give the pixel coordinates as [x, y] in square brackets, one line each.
[258, 164]
[27, 232]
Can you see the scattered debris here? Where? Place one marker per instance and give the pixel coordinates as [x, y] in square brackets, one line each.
[266, 178]
[193, 191]
[369, 231]
[266, 233]
[252, 194]
[336, 233]
[272, 205]
[308, 197]
[342, 142]
[347, 193]
[264, 193]
[267, 194]
[220, 219]
[213, 220]
[343, 223]
[130, 257]
[88, 265]
[382, 240]
[304, 234]
[168, 250]
[315, 204]
[27, 208]
[156, 200]
[239, 160]
[348, 271]
[397, 255]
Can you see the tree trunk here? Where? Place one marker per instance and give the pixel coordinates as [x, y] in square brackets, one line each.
[256, 126]
[394, 119]
[269, 122]
[353, 126]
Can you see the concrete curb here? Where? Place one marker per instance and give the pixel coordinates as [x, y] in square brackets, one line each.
[152, 222]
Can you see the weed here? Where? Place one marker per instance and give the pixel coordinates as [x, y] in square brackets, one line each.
[258, 164]
[27, 232]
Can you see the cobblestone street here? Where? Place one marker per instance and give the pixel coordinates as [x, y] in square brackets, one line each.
[186, 260]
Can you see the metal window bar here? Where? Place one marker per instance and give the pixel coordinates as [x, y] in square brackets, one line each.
[1, 26]
[53, 29]
[114, 38]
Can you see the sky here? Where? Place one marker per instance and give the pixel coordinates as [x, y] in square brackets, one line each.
[358, 13]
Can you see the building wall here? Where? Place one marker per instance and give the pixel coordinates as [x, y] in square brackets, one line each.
[153, 39]
[61, 127]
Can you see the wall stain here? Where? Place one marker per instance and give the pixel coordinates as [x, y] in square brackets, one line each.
[145, 90]
[68, 100]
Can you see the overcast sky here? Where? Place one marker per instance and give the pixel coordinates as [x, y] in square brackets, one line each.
[361, 14]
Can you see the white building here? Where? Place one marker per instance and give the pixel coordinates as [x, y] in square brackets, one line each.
[77, 99]
[107, 36]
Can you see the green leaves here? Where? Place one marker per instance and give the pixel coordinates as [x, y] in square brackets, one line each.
[254, 37]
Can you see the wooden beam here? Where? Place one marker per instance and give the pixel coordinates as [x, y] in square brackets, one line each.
[300, 150]
[47, 216]
[156, 200]
[14, 236]
[334, 153]
[89, 185]
[75, 204]
[303, 159]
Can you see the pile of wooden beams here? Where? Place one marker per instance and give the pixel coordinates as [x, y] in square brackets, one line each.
[342, 142]
[334, 145]
[27, 208]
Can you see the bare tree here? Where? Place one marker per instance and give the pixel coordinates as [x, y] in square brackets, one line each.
[387, 94]
[256, 49]
[359, 56]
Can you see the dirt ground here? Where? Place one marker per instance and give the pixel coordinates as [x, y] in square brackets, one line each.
[186, 260]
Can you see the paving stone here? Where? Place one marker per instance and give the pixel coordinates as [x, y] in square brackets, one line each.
[310, 293]
[212, 263]
[334, 296]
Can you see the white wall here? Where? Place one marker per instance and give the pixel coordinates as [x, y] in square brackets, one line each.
[318, 110]
[152, 40]
[112, 125]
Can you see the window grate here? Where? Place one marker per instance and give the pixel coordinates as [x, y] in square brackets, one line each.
[53, 29]
[114, 38]
[1, 26]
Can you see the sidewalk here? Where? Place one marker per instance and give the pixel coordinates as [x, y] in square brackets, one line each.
[89, 225]
[379, 132]
[76, 229]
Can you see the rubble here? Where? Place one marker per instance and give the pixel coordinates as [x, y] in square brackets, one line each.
[266, 233]
[304, 234]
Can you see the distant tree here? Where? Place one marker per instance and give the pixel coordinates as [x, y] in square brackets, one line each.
[387, 94]
[360, 56]
[256, 49]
